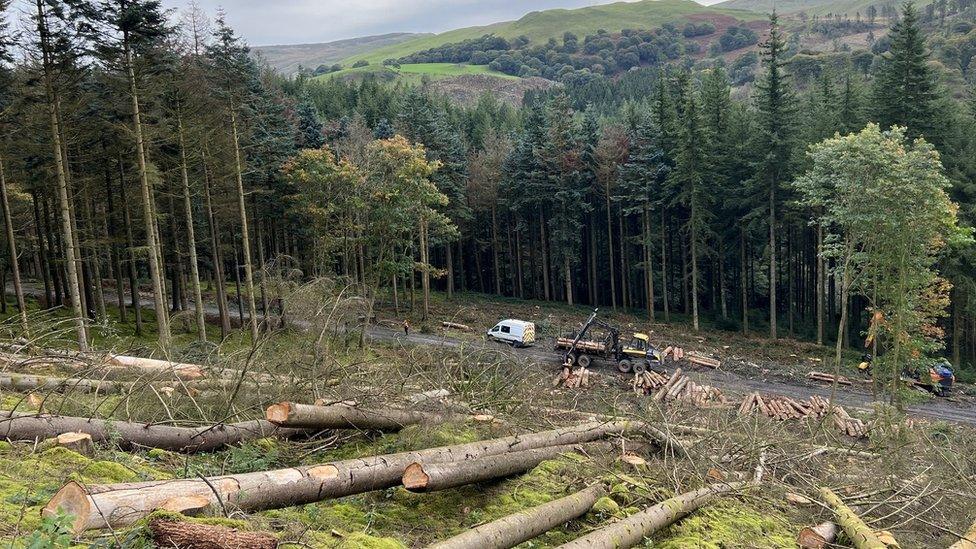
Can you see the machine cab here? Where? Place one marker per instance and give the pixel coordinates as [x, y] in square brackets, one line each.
[640, 348]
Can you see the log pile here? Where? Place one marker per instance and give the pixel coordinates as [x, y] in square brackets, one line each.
[645, 383]
[828, 378]
[849, 425]
[702, 360]
[572, 379]
[676, 353]
[681, 388]
[456, 326]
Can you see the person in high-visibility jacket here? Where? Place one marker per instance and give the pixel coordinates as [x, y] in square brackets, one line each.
[942, 377]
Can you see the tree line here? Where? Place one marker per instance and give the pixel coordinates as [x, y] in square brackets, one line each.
[142, 154]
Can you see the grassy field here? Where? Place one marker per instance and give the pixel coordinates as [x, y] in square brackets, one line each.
[540, 26]
[414, 73]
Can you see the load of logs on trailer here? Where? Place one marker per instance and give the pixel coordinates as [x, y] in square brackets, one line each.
[828, 378]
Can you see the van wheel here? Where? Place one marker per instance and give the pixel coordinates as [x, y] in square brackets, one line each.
[640, 367]
[584, 361]
[625, 366]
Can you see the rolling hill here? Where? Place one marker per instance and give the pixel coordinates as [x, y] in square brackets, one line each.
[540, 26]
[287, 58]
[811, 7]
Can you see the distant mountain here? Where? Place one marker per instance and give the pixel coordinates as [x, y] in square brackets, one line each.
[813, 7]
[286, 59]
[540, 26]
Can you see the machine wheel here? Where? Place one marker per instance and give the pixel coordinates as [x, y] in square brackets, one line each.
[584, 361]
[571, 360]
[625, 366]
[640, 367]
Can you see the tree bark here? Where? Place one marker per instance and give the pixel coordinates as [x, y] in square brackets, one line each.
[52, 100]
[191, 240]
[432, 477]
[101, 506]
[188, 535]
[568, 270]
[613, 274]
[694, 265]
[664, 272]
[25, 426]
[859, 533]
[341, 416]
[514, 529]
[772, 260]
[12, 249]
[632, 530]
[245, 236]
[820, 286]
[155, 267]
[743, 275]
[494, 249]
[648, 260]
[545, 255]
[222, 306]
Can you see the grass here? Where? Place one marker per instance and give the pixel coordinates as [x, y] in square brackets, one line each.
[542, 25]
[414, 73]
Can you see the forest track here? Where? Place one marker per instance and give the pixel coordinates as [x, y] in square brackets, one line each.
[727, 381]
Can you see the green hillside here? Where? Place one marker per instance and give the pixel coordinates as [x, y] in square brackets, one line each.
[811, 7]
[288, 58]
[414, 73]
[540, 26]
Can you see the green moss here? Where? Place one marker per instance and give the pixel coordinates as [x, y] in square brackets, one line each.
[364, 541]
[606, 507]
[211, 521]
[728, 524]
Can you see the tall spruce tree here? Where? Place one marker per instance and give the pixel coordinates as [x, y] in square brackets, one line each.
[775, 140]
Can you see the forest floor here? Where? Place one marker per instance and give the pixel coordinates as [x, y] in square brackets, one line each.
[916, 480]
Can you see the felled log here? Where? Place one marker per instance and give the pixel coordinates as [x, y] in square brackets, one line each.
[829, 378]
[342, 416]
[968, 542]
[701, 360]
[25, 426]
[188, 535]
[29, 382]
[633, 529]
[859, 533]
[101, 506]
[817, 537]
[431, 477]
[522, 526]
[675, 378]
[456, 326]
[155, 366]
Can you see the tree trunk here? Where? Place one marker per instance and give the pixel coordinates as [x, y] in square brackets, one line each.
[772, 261]
[425, 266]
[263, 284]
[450, 270]
[820, 286]
[218, 264]
[859, 533]
[664, 272]
[613, 274]
[18, 426]
[568, 270]
[494, 250]
[648, 260]
[633, 529]
[341, 416]
[12, 250]
[112, 229]
[237, 285]
[245, 236]
[514, 529]
[59, 169]
[693, 234]
[744, 279]
[432, 477]
[545, 255]
[188, 535]
[191, 240]
[155, 267]
[130, 244]
[101, 506]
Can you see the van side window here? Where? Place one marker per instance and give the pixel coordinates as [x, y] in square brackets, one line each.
[495, 329]
[506, 330]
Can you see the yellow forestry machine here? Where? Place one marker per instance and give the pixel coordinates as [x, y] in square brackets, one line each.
[637, 355]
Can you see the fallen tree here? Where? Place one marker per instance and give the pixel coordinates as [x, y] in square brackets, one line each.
[818, 537]
[522, 526]
[24, 426]
[859, 533]
[101, 506]
[152, 365]
[633, 529]
[431, 477]
[342, 416]
[29, 382]
[188, 535]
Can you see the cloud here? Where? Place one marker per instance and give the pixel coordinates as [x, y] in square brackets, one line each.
[263, 22]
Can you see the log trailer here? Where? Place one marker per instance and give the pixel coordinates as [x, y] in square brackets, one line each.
[638, 355]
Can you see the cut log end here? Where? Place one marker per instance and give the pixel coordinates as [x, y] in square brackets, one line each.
[414, 478]
[279, 413]
[78, 442]
[72, 499]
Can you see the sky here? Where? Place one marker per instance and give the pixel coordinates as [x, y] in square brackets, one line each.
[272, 22]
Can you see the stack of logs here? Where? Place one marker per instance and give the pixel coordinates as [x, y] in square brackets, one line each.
[828, 378]
[572, 379]
[677, 354]
[784, 408]
[678, 387]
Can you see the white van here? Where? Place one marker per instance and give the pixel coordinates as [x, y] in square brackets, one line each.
[519, 333]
